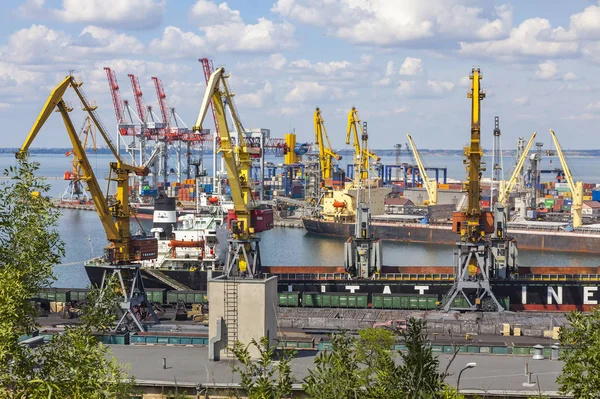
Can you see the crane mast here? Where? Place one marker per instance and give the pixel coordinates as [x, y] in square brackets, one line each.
[361, 152]
[575, 187]
[243, 256]
[430, 185]
[506, 188]
[326, 153]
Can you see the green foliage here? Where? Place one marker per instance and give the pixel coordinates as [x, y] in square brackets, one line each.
[74, 364]
[581, 373]
[264, 378]
[366, 367]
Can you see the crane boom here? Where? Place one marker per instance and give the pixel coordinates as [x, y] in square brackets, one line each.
[326, 154]
[504, 192]
[362, 153]
[575, 187]
[430, 185]
[162, 101]
[115, 218]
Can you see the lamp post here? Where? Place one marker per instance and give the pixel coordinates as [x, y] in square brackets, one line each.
[467, 366]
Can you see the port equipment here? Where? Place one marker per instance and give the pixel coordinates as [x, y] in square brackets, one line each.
[430, 185]
[75, 190]
[362, 252]
[243, 255]
[575, 187]
[506, 187]
[361, 152]
[123, 249]
[478, 258]
[327, 157]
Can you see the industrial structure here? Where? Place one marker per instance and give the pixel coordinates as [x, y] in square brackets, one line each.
[75, 190]
[430, 185]
[124, 249]
[362, 155]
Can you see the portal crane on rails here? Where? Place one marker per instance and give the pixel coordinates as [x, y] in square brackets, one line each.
[575, 187]
[327, 156]
[430, 185]
[507, 187]
[361, 151]
[243, 255]
[124, 249]
[479, 257]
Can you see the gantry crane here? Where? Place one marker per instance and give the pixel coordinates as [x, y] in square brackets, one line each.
[75, 190]
[243, 255]
[575, 187]
[114, 217]
[124, 250]
[430, 185]
[479, 257]
[506, 187]
[327, 156]
[361, 149]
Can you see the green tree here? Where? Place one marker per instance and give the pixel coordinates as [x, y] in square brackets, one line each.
[264, 378]
[580, 376]
[74, 364]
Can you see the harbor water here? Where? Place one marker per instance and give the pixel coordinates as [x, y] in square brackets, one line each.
[84, 237]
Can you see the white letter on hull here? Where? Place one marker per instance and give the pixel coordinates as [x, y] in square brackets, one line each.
[386, 290]
[553, 294]
[421, 288]
[323, 288]
[352, 288]
[587, 295]
[289, 288]
[523, 295]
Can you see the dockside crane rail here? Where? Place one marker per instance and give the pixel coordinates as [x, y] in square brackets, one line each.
[362, 154]
[575, 187]
[326, 154]
[115, 217]
[430, 185]
[243, 257]
[506, 188]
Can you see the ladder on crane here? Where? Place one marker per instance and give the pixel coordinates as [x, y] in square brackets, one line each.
[231, 313]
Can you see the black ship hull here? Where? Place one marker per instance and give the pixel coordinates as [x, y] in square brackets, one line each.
[428, 234]
[534, 295]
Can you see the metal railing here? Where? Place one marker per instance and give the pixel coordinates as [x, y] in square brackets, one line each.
[344, 276]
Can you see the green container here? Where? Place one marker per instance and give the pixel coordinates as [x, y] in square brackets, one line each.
[437, 348]
[138, 339]
[399, 347]
[473, 349]
[485, 349]
[432, 302]
[199, 297]
[173, 296]
[449, 349]
[325, 345]
[156, 295]
[325, 301]
[291, 344]
[388, 302]
[505, 302]
[292, 299]
[413, 302]
[519, 350]
[309, 299]
[190, 297]
[199, 341]
[185, 341]
[162, 340]
[174, 340]
[377, 301]
[422, 302]
[335, 300]
[404, 302]
[362, 301]
[282, 299]
[547, 352]
[306, 344]
[151, 339]
[500, 350]
[549, 202]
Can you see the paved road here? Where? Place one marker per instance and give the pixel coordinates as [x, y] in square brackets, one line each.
[191, 365]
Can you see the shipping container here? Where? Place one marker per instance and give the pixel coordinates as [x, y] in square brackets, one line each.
[156, 295]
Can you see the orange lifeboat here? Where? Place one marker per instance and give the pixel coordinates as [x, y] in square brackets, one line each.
[213, 200]
[339, 204]
[185, 244]
[69, 175]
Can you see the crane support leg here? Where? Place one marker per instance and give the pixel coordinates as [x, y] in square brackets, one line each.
[243, 258]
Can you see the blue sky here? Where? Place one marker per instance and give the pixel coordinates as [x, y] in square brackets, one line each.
[403, 64]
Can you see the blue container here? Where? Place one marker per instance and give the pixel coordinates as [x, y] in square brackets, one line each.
[595, 195]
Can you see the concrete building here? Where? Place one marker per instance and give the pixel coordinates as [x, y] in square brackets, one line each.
[395, 206]
[241, 310]
[591, 208]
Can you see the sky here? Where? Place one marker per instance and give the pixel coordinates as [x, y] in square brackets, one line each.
[403, 64]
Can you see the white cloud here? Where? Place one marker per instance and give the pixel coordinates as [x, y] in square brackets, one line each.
[439, 87]
[256, 99]
[369, 22]
[465, 81]
[405, 87]
[546, 71]
[521, 101]
[5, 106]
[595, 106]
[311, 91]
[411, 66]
[332, 68]
[569, 76]
[534, 37]
[275, 61]
[586, 24]
[389, 71]
[586, 116]
[178, 44]
[130, 14]
[225, 31]
[39, 44]
[429, 88]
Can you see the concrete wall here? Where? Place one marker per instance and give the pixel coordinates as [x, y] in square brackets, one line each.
[257, 311]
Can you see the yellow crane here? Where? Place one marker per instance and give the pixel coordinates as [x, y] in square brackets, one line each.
[326, 154]
[243, 253]
[114, 217]
[575, 187]
[506, 187]
[430, 185]
[362, 153]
